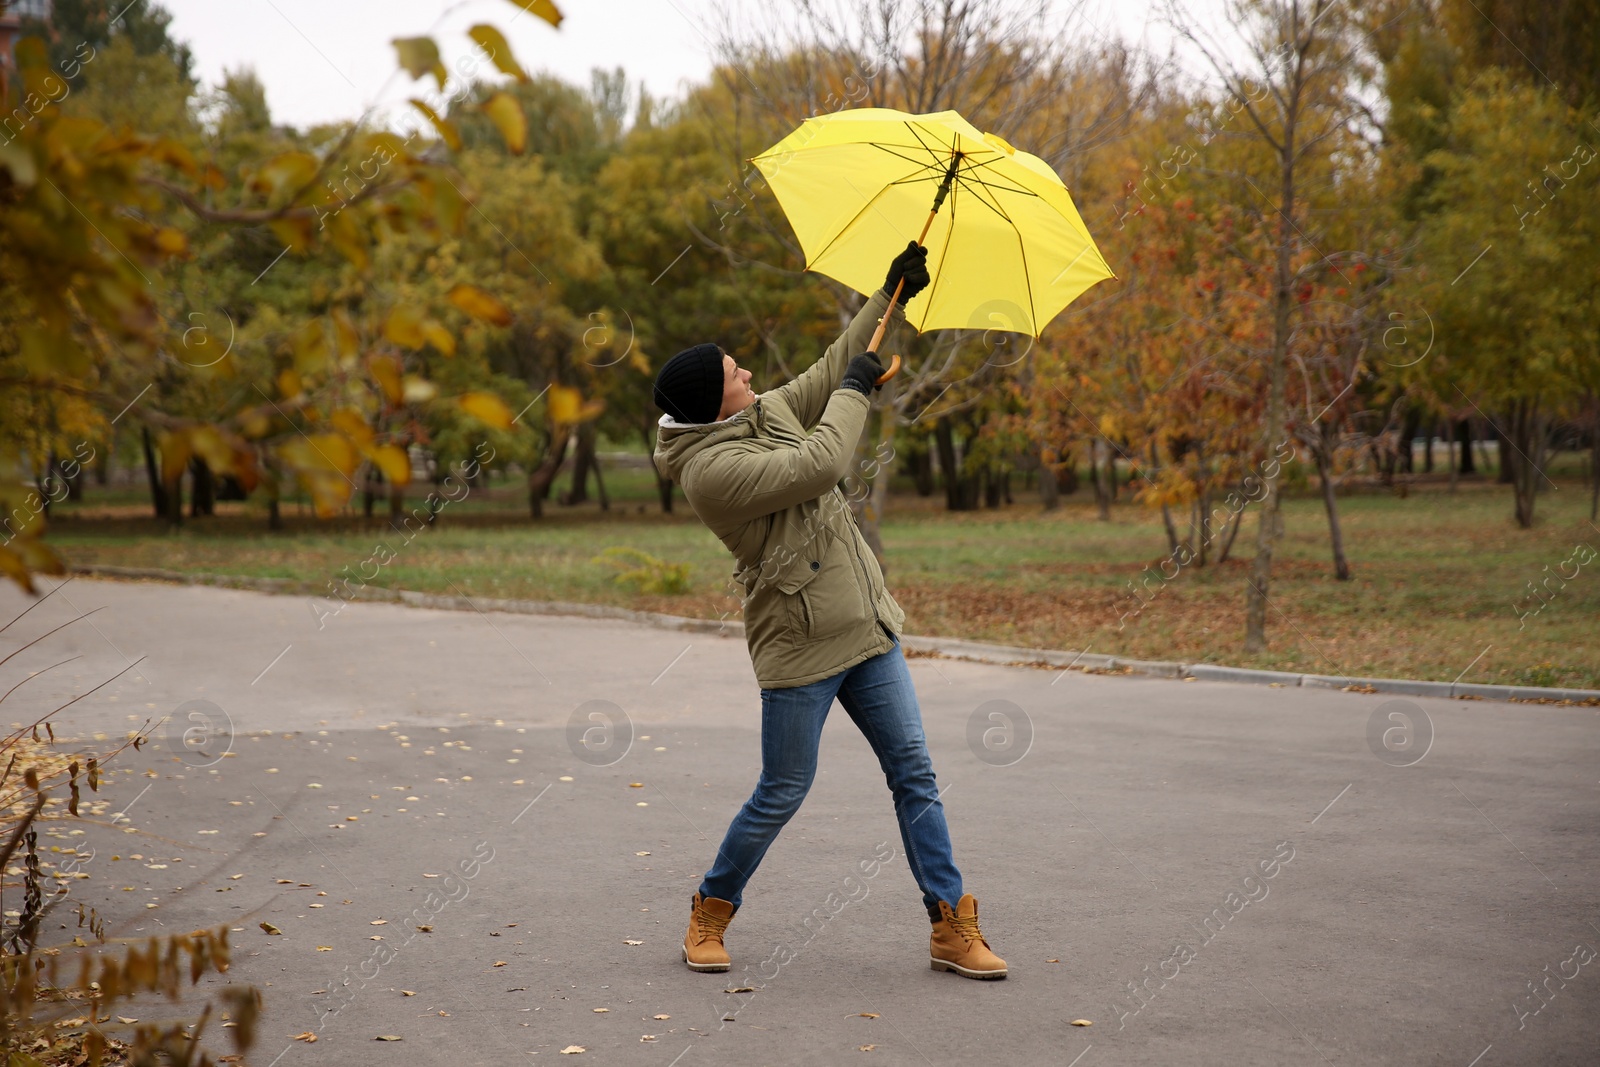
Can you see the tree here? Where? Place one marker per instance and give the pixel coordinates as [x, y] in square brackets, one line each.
[89, 213]
[1508, 251]
[1295, 97]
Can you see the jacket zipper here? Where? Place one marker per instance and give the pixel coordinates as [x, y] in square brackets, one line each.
[856, 551]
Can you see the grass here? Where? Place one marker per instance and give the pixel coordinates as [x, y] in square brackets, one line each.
[1435, 574]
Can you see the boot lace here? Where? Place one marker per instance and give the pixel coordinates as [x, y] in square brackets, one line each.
[712, 927]
[967, 927]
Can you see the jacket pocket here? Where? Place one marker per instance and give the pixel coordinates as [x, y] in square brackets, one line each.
[822, 592]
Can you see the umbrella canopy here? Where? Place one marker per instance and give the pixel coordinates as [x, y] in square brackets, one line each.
[1007, 252]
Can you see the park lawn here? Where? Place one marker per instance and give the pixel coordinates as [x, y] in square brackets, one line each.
[1436, 575]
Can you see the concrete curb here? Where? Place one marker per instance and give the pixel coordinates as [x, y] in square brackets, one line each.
[953, 648]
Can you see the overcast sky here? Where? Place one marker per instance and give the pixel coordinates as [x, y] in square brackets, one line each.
[325, 60]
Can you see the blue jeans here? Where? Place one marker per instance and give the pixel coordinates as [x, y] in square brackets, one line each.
[879, 698]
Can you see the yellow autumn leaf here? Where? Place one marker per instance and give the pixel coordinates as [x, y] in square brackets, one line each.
[19, 163]
[447, 129]
[506, 114]
[347, 239]
[12, 567]
[295, 232]
[211, 446]
[404, 327]
[386, 372]
[493, 42]
[171, 241]
[562, 404]
[288, 172]
[289, 384]
[311, 348]
[176, 449]
[439, 337]
[545, 9]
[565, 406]
[347, 339]
[487, 408]
[419, 56]
[321, 453]
[352, 424]
[480, 304]
[393, 462]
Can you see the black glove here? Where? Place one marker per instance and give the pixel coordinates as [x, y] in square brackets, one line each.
[862, 374]
[912, 265]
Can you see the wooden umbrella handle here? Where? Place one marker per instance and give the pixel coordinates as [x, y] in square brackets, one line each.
[894, 298]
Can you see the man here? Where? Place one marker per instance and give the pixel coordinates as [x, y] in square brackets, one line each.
[818, 619]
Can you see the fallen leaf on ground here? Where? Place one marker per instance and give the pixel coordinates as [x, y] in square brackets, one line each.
[286, 881]
[425, 928]
[570, 1049]
[307, 1037]
[641, 853]
[269, 928]
[126, 1019]
[741, 989]
[865, 1048]
[633, 942]
[1052, 961]
[635, 785]
[388, 1037]
[867, 1014]
[663, 1016]
[379, 922]
[324, 948]
[599, 1011]
[499, 963]
[1082, 1022]
[408, 992]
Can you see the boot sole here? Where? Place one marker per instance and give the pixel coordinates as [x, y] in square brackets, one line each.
[965, 972]
[701, 967]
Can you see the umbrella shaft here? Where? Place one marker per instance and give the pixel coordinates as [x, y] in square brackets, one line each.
[938, 199]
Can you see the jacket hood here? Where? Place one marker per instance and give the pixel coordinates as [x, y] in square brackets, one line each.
[678, 442]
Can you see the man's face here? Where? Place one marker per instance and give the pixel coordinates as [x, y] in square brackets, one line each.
[736, 392]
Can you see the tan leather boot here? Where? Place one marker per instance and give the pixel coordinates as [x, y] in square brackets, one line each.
[702, 945]
[957, 944]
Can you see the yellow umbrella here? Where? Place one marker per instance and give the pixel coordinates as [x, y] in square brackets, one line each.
[1009, 252]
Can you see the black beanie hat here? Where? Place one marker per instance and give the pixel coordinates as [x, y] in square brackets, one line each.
[689, 387]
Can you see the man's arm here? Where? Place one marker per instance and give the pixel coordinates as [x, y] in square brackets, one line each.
[807, 395]
[740, 485]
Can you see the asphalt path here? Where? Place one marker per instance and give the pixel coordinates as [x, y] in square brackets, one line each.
[1208, 873]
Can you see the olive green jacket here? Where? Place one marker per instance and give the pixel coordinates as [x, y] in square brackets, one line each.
[814, 598]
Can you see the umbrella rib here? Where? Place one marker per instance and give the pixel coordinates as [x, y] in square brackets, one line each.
[932, 169]
[995, 206]
[1033, 314]
[1017, 188]
[1022, 250]
[917, 131]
